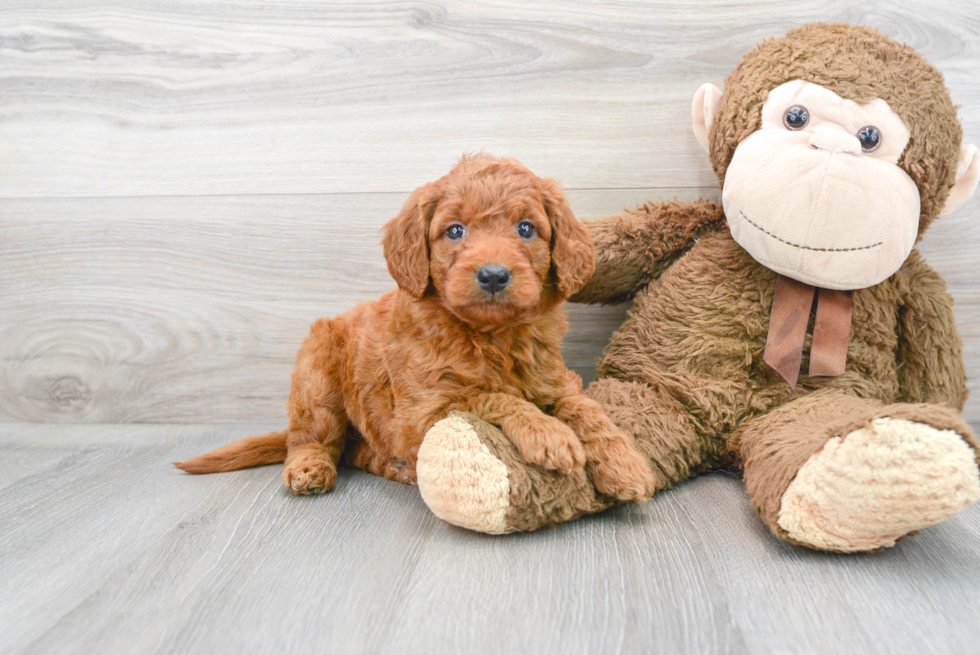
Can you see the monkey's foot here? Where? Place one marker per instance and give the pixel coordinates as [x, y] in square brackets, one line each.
[471, 475]
[878, 484]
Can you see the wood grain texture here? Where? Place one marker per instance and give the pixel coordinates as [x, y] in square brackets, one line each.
[109, 550]
[191, 309]
[237, 97]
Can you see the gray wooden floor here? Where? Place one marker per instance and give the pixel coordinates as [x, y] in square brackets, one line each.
[106, 549]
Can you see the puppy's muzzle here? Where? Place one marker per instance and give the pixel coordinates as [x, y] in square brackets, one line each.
[493, 278]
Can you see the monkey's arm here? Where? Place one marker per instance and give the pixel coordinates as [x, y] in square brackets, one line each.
[636, 246]
[930, 351]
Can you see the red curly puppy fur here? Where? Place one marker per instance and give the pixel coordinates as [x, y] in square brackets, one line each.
[484, 258]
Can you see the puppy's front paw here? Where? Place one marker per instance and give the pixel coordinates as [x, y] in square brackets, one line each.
[623, 473]
[309, 474]
[549, 443]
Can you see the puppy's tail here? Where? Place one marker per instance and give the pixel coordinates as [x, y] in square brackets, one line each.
[254, 451]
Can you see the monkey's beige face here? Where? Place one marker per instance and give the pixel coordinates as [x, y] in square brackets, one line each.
[817, 194]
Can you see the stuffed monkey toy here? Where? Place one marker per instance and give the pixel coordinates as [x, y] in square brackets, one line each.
[793, 331]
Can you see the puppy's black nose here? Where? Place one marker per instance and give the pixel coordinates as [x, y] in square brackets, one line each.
[493, 277]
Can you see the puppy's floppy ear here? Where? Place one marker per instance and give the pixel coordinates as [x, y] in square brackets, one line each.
[572, 252]
[406, 240]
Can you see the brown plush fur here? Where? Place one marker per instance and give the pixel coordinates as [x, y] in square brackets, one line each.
[370, 383]
[685, 374]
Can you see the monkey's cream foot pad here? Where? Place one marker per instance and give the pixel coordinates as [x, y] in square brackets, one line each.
[877, 484]
[470, 474]
[460, 479]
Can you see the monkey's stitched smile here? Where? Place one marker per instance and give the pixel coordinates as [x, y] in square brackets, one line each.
[802, 247]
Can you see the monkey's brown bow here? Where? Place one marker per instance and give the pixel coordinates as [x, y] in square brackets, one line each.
[791, 306]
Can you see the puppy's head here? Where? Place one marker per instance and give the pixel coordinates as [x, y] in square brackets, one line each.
[491, 240]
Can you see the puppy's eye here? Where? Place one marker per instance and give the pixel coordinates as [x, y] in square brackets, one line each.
[796, 117]
[525, 229]
[455, 232]
[870, 138]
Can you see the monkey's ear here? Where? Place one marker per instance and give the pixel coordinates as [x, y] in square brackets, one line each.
[572, 252]
[967, 176]
[703, 110]
[406, 240]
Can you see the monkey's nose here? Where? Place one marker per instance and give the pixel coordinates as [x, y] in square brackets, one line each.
[835, 140]
[493, 278]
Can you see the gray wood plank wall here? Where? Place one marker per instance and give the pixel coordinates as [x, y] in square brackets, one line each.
[185, 186]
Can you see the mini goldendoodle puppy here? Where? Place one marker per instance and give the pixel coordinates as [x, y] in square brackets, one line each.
[484, 258]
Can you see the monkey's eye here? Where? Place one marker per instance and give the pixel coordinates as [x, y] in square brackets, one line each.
[455, 232]
[870, 138]
[525, 229]
[796, 117]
